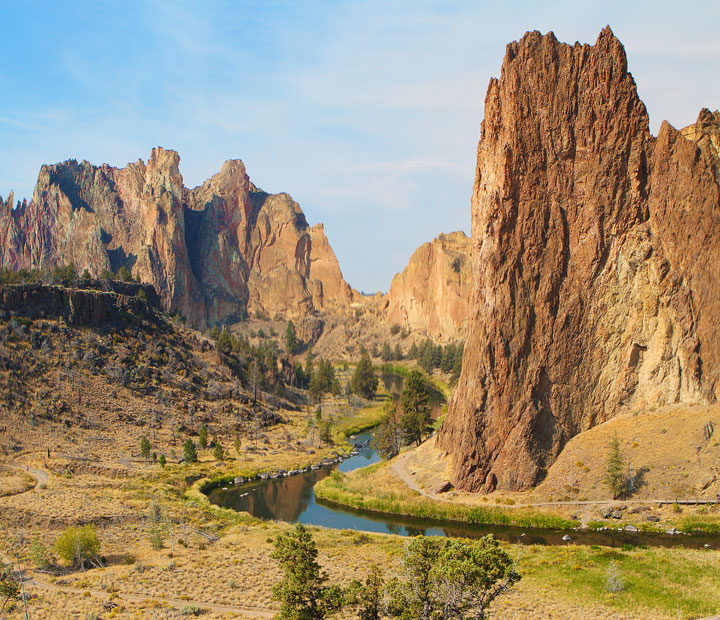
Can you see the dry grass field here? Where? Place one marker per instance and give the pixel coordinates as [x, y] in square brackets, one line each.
[63, 414]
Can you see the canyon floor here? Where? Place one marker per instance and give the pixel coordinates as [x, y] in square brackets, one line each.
[223, 563]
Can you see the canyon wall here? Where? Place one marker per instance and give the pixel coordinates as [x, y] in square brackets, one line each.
[213, 253]
[433, 291]
[596, 258]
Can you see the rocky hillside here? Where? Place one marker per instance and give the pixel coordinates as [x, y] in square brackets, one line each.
[596, 255]
[215, 252]
[432, 293]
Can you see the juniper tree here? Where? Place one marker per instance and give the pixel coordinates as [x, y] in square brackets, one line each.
[302, 592]
[615, 477]
[145, 447]
[190, 451]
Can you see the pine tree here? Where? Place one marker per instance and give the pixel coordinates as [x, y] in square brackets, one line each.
[302, 592]
[364, 382]
[190, 452]
[218, 452]
[203, 437]
[386, 439]
[386, 354]
[615, 469]
[145, 447]
[290, 338]
[415, 419]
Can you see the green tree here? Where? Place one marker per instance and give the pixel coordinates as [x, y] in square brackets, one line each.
[445, 578]
[290, 338]
[386, 439]
[326, 432]
[107, 275]
[190, 451]
[9, 587]
[145, 447]
[162, 460]
[398, 352]
[78, 546]
[64, 274]
[203, 437]
[39, 553]
[223, 342]
[86, 274]
[386, 353]
[370, 598]
[615, 477]
[364, 382]
[413, 352]
[448, 358]
[157, 536]
[218, 452]
[415, 419]
[124, 274]
[302, 592]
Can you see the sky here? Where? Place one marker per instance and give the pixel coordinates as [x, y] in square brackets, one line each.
[367, 112]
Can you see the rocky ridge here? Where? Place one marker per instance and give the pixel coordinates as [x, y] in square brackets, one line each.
[596, 257]
[432, 292]
[214, 253]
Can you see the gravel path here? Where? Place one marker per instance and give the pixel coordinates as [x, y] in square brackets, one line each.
[399, 468]
[40, 476]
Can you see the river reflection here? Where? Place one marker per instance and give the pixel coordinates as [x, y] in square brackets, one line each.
[293, 499]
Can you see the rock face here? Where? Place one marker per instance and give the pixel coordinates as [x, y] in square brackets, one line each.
[433, 291]
[596, 253]
[214, 252]
[87, 307]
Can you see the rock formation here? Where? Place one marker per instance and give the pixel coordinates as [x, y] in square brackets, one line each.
[596, 257]
[433, 291]
[213, 253]
[103, 306]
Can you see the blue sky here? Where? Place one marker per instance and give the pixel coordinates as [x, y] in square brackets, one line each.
[367, 112]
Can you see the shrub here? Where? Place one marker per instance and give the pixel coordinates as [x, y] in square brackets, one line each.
[78, 546]
[614, 582]
[190, 610]
[39, 553]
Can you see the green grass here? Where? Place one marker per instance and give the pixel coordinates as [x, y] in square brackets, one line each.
[665, 580]
[404, 371]
[359, 490]
[369, 417]
[699, 523]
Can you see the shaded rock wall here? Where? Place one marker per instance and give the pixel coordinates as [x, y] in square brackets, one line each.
[596, 252]
[79, 307]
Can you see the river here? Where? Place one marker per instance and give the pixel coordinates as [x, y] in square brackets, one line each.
[292, 499]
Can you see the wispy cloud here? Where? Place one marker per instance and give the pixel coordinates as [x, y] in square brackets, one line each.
[368, 112]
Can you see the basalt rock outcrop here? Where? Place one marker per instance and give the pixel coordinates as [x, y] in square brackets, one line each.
[596, 257]
[214, 253]
[80, 306]
[432, 293]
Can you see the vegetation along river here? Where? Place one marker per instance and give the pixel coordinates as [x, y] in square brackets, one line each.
[293, 499]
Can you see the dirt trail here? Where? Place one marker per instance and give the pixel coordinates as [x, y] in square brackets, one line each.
[41, 477]
[399, 468]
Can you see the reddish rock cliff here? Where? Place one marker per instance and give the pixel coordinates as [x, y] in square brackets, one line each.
[213, 252]
[432, 293]
[596, 252]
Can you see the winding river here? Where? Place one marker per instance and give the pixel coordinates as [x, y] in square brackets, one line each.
[292, 499]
